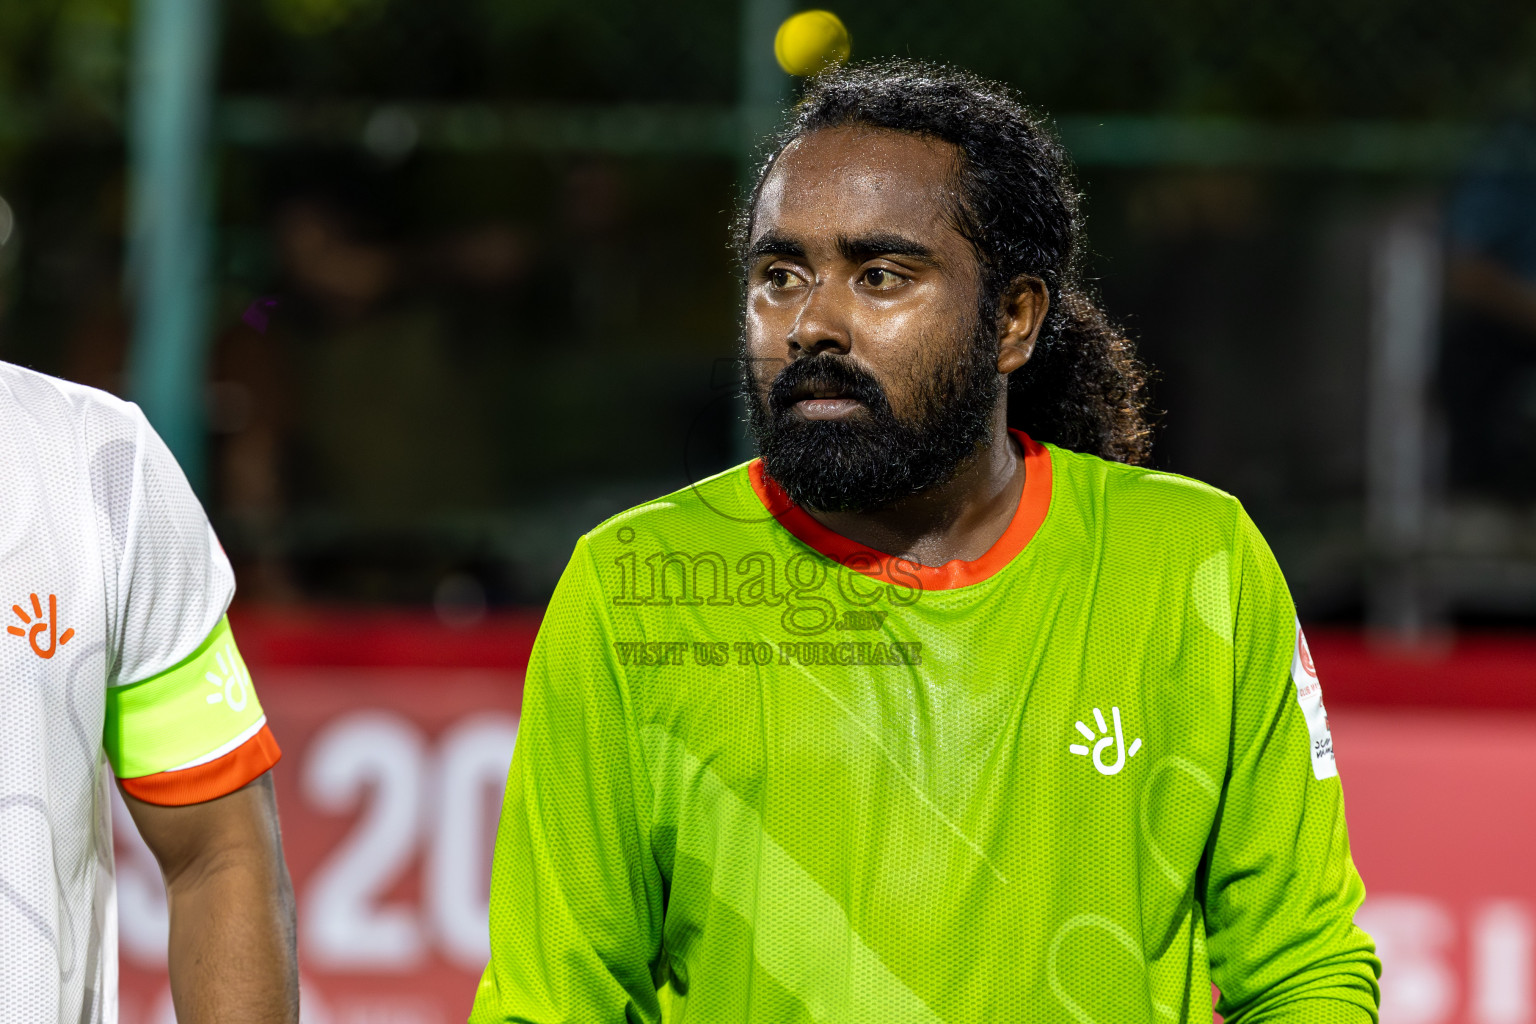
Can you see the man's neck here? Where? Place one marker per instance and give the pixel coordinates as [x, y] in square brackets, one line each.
[959, 519]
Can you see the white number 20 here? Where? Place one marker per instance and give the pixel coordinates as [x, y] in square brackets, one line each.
[444, 810]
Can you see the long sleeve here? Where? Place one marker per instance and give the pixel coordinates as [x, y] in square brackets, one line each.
[576, 896]
[1281, 890]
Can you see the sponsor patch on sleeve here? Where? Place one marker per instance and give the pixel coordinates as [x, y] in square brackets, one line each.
[1309, 694]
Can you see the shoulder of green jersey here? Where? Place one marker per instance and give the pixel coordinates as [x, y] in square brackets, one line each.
[1120, 480]
[636, 516]
[725, 495]
[1173, 484]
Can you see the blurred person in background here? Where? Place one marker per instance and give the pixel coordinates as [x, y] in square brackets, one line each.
[377, 364]
[327, 276]
[117, 653]
[320, 401]
[919, 717]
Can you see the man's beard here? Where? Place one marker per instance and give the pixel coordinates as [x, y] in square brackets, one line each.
[876, 458]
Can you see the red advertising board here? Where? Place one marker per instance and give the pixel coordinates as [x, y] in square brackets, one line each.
[389, 790]
[397, 734]
[1442, 818]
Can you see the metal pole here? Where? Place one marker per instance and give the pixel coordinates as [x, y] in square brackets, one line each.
[1405, 317]
[764, 85]
[169, 243]
[764, 88]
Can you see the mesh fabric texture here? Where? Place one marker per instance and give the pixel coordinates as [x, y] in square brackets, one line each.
[98, 522]
[754, 784]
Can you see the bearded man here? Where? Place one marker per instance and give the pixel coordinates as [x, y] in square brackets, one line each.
[920, 717]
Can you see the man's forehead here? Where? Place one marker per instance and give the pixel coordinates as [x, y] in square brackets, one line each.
[851, 180]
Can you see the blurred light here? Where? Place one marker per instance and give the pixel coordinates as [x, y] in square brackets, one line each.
[7, 221]
[391, 134]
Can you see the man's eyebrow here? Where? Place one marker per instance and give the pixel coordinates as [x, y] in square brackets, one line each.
[771, 244]
[868, 247]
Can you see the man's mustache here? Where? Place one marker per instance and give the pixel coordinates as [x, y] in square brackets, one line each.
[825, 372]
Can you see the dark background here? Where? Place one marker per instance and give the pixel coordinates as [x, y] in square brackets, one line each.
[490, 240]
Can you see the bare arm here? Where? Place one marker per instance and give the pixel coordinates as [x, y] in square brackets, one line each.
[232, 953]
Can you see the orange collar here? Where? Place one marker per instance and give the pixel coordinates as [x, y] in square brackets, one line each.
[1034, 502]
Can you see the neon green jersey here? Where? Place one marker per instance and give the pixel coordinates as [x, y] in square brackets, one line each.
[767, 775]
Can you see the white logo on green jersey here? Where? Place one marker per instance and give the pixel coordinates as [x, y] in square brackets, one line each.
[231, 681]
[1101, 742]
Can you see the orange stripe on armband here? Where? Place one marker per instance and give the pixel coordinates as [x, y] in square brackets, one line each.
[209, 781]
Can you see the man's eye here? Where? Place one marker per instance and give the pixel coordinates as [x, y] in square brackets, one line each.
[881, 279]
[780, 278]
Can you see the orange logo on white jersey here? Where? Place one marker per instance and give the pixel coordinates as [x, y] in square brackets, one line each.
[35, 625]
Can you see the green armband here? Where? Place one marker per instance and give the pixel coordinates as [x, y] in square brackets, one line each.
[186, 713]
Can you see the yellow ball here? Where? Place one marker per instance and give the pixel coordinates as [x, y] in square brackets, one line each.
[811, 41]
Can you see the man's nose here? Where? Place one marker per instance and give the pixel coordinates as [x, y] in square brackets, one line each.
[821, 325]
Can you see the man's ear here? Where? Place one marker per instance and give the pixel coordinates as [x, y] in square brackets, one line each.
[1020, 316]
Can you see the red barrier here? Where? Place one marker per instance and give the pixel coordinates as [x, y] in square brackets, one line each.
[1442, 820]
[396, 734]
[1496, 671]
[383, 639]
[389, 789]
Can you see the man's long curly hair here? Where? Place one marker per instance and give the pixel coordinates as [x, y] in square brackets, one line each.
[1084, 388]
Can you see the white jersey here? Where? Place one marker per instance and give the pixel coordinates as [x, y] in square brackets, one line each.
[110, 576]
